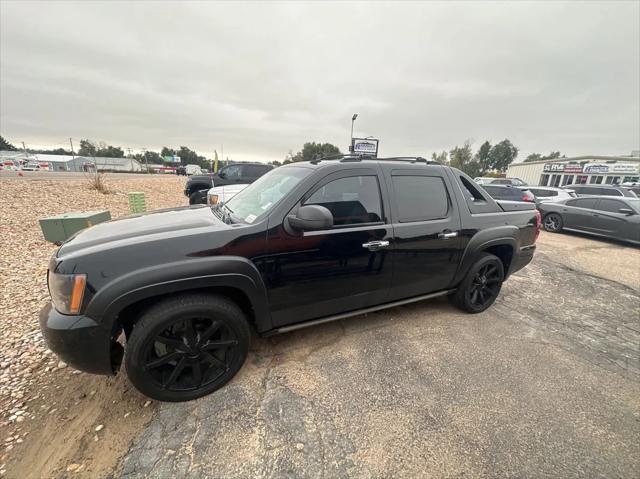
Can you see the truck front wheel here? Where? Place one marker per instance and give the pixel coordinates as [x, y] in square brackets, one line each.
[481, 286]
[186, 347]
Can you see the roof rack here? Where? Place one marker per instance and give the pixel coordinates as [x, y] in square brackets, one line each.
[344, 158]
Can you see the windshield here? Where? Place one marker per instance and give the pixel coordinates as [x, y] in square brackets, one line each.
[263, 194]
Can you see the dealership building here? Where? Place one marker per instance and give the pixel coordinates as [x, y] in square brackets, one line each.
[609, 170]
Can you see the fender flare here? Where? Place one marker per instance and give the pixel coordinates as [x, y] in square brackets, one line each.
[506, 235]
[194, 273]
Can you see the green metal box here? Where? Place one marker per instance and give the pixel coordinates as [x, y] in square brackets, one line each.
[57, 229]
[137, 203]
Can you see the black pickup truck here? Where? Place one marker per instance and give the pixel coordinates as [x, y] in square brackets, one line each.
[305, 244]
[237, 174]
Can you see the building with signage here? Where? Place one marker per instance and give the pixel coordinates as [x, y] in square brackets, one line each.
[608, 170]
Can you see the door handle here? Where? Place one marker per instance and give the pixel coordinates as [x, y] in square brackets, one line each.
[375, 245]
[448, 234]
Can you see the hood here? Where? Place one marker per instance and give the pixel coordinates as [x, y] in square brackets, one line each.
[146, 224]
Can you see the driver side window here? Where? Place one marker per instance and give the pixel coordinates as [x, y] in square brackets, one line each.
[351, 200]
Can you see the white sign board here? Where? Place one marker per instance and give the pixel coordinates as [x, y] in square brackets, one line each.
[368, 146]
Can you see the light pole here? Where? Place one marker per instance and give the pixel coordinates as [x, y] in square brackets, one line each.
[353, 119]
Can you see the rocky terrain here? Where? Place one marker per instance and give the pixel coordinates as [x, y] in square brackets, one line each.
[38, 392]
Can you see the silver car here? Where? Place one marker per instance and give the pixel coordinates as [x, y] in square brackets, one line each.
[612, 217]
[551, 193]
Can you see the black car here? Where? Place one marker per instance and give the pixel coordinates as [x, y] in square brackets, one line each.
[238, 173]
[509, 193]
[601, 190]
[617, 218]
[306, 243]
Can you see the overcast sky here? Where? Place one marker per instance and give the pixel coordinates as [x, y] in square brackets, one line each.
[263, 78]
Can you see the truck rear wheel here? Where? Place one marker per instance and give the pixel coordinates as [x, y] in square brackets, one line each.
[480, 288]
[187, 347]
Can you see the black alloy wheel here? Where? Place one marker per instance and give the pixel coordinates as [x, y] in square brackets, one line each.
[186, 347]
[482, 285]
[190, 354]
[485, 285]
[552, 222]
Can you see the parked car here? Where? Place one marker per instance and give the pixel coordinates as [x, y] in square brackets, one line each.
[307, 243]
[220, 194]
[510, 193]
[617, 218]
[551, 193]
[484, 180]
[193, 170]
[634, 187]
[601, 190]
[239, 173]
[30, 167]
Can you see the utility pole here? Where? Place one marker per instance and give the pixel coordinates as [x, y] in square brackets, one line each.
[146, 160]
[222, 152]
[72, 153]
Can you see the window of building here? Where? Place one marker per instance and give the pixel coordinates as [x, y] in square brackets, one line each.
[544, 180]
[351, 200]
[420, 198]
[555, 180]
[596, 180]
[567, 180]
[612, 180]
[582, 180]
[630, 179]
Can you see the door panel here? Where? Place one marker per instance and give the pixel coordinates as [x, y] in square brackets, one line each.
[427, 245]
[320, 273]
[578, 213]
[325, 273]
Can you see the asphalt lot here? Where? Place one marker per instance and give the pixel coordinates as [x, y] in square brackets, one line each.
[546, 383]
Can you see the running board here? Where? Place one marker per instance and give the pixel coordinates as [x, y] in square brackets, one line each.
[336, 317]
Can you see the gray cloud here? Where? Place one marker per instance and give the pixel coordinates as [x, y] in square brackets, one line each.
[263, 78]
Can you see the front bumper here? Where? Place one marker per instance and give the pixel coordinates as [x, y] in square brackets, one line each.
[80, 342]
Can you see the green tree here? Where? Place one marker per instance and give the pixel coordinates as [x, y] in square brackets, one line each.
[87, 148]
[110, 152]
[312, 150]
[533, 157]
[537, 156]
[483, 157]
[502, 155]
[150, 157]
[6, 146]
[441, 157]
[461, 157]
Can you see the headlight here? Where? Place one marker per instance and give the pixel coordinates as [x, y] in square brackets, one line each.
[67, 291]
[212, 199]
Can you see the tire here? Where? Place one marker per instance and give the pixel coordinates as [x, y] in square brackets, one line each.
[552, 222]
[482, 285]
[186, 347]
[197, 198]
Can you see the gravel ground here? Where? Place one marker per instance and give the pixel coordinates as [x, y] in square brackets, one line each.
[27, 368]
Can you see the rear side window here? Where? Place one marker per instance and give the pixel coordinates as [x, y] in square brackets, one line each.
[588, 203]
[351, 200]
[608, 192]
[420, 198]
[611, 206]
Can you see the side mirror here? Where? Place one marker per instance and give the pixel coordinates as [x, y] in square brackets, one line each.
[626, 211]
[310, 218]
[222, 174]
